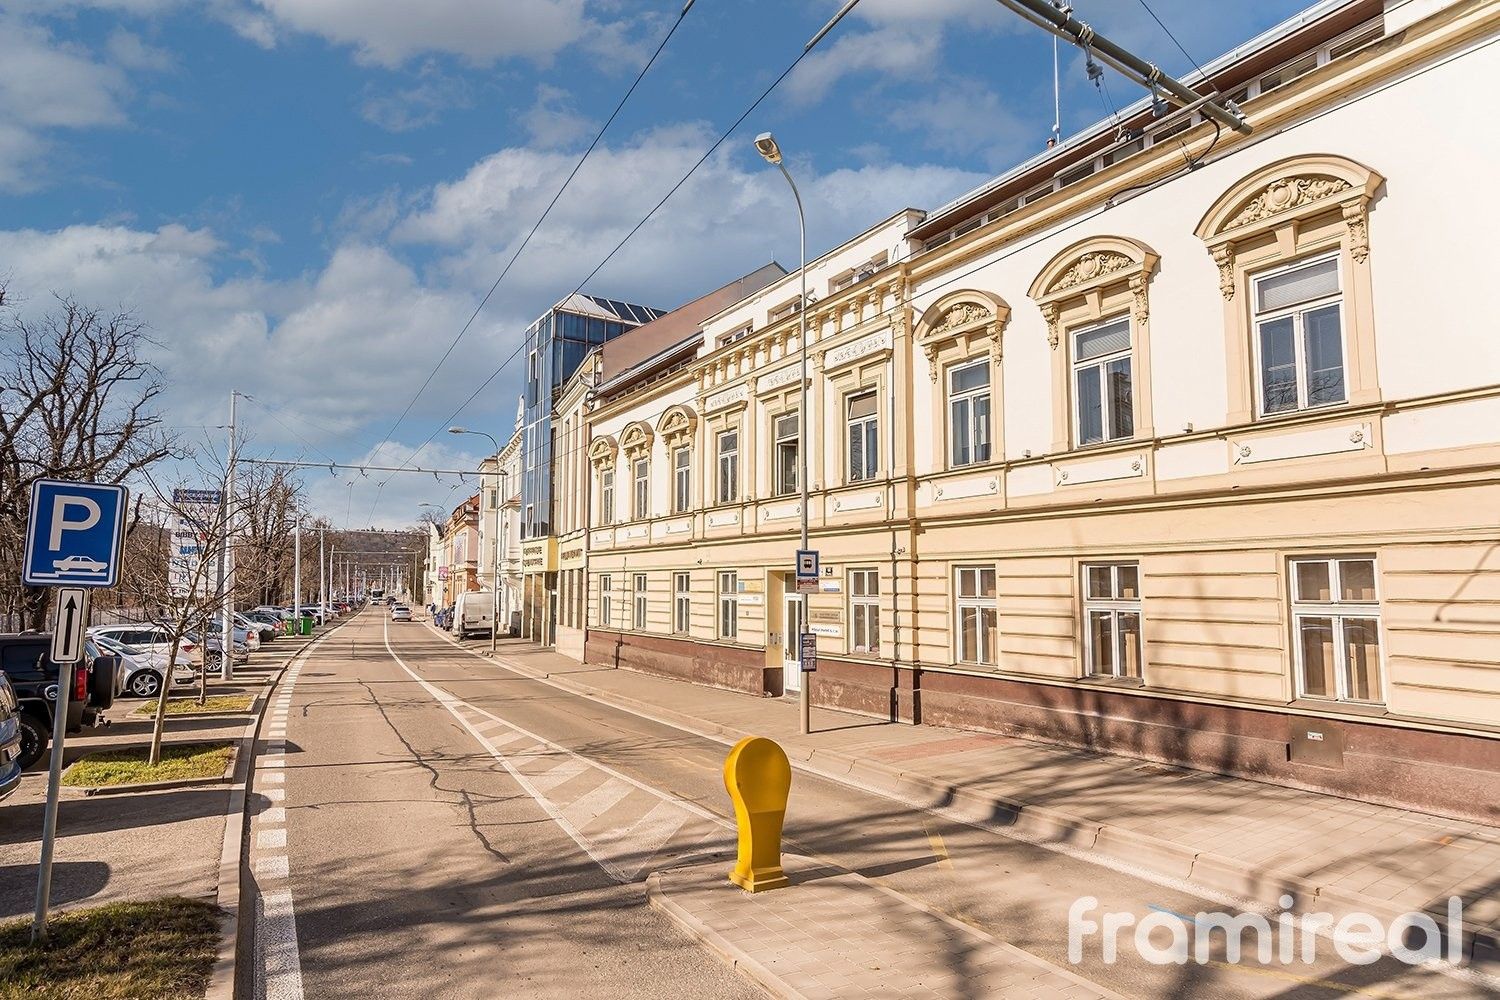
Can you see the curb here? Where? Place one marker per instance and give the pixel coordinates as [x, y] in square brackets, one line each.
[736, 958]
[223, 978]
[768, 980]
[1480, 946]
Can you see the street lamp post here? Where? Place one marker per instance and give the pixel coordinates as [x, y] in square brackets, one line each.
[765, 144]
[499, 498]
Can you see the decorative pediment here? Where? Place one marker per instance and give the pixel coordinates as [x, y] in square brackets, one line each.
[602, 451]
[1282, 193]
[677, 425]
[1086, 270]
[636, 438]
[1286, 193]
[969, 318]
[1091, 266]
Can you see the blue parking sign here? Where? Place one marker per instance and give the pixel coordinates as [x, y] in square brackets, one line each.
[74, 534]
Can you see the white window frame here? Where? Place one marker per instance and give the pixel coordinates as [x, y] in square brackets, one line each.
[607, 496]
[682, 602]
[1113, 606]
[1337, 611]
[682, 480]
[638, 589]
[728, 623]
[864, 611]
[969, 397]
[728, 463]
[779, 485]
[606, 602]
[978, 604]
[1299, 346]
[640, 491]
[868, 428]
[1102, 363]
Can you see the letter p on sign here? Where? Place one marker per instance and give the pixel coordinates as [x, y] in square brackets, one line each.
[60, 522]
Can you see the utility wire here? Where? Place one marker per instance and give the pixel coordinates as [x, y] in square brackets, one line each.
[618, 246]
[1174, 40]
[538, 225]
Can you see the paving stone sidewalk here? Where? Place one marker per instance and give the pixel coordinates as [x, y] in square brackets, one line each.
[836, 934]
[1246, 837]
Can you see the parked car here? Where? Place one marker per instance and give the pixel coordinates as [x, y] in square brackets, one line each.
[25, 661]
[400, 613]
[473, 611]
[155, 637]
[10, 738]
[270, 611]
[263, 631]
[142, 670]
[216, 645]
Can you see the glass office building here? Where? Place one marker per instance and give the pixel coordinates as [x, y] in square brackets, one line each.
[555, 346]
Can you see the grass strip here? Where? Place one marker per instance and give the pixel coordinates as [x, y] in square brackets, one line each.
[129, 767]
[160, 949]
[217, 705]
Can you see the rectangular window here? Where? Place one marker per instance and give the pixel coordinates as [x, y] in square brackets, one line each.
[1336, 626]
[640, 600]
[682, 480]
[729, 605]
[642, 471]
[606, 610]
[784, 433]
[682, 602]
[1299, 336]
[864, 437]
[977, 614]
[969, 413]
[1102, 404]
[533, 378]
[1112, 620]
[607, 497]
[733, 336]
[729, 466]
[864, 611]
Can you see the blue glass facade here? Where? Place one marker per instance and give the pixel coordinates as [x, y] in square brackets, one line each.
[556, 345]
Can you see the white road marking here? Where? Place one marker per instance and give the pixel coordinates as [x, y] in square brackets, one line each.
[266, 840]
[614, 856]
[280, 965]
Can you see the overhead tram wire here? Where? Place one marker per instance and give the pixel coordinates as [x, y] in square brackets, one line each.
[1053, 233]
[538, 224]
[1175, 42]
[806, 49]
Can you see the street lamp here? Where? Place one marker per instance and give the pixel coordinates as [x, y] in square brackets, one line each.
[499, 495]
[765, 144]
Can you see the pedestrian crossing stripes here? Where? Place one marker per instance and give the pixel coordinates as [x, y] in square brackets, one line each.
[627, 827]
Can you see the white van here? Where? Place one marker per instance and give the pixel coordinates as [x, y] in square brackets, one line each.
[473, 612]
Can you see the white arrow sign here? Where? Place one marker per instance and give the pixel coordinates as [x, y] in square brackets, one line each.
[72, 619]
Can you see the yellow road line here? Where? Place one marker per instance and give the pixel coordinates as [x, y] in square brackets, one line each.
[939, 849]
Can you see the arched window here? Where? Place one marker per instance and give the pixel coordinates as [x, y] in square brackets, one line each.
[1095, 298]
[961, 336]
[1292, 245]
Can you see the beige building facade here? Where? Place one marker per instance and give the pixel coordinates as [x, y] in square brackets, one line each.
[1170, 441]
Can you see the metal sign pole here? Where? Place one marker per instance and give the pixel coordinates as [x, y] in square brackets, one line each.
[65, 619]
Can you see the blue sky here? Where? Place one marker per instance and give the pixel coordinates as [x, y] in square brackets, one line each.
[306, 199]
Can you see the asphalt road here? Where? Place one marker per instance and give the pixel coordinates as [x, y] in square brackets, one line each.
[451, 828]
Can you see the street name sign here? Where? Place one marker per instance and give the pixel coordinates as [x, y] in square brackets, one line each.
[72, 619]
[74, 534]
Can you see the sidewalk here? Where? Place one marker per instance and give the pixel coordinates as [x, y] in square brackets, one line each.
[842, 935]
[1244, 837]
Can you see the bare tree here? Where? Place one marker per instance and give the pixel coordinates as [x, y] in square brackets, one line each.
[78, 401]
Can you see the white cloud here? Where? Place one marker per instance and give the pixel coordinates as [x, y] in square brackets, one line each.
[965, 119]
[419, 105]
[389, 32]
[553, 121]
[130, 51]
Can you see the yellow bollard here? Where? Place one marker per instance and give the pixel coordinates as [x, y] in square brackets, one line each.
[759, 779]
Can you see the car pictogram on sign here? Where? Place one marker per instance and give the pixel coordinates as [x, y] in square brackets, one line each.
[79, 564]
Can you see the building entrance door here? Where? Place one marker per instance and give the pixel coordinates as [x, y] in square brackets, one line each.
[791, 632]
